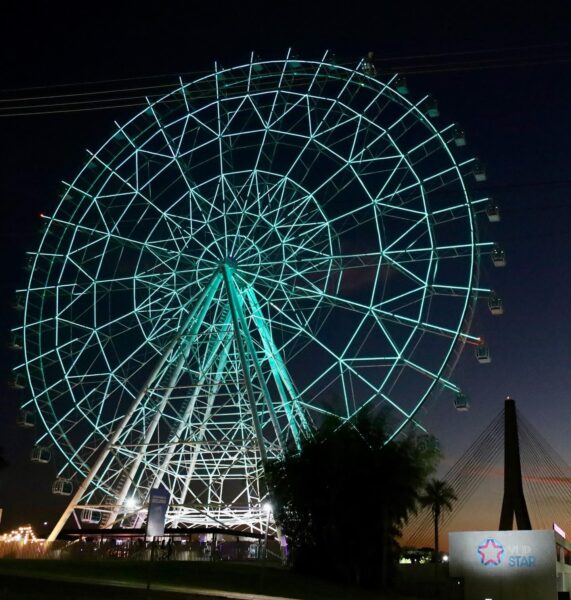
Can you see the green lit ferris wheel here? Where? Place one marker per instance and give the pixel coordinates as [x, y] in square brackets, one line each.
[261, 247]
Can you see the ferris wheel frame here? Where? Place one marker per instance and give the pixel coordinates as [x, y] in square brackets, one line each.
[245, 244]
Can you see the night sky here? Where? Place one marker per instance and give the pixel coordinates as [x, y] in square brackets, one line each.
[503, 73]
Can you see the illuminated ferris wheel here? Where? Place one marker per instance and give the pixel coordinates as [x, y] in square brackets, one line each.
[263, 246]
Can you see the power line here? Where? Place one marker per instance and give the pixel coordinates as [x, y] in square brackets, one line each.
[94, 93]
[103, 81]
[386, 58]
[517, 49]
[27, 105]
[479, 66]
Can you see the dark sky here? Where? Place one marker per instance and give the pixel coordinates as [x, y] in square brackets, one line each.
[503, 72]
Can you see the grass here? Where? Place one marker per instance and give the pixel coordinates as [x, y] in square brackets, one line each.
[227, 576]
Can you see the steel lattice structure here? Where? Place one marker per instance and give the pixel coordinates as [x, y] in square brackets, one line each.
[262, 246]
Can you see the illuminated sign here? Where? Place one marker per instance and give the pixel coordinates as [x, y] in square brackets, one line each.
[158, 505]
[504, 564]
[491, 553]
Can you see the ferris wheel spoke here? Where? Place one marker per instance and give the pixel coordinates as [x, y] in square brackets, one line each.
[206, 208]
[337, 360]
[296, 99]
[314, 291]
[410, 110]
[344, 260]
[322, 131]
[427, 146]
[368, 195]
[134, 191]
[375, 392]
[290, 233]
[437, 377]
[44, 357]
[432, 182]
[297, 229]
[442, 252]
[412, 228]
[359, 215]
[260, 155]
[375, 309]
[318, 74]
[428, 327]
[231, 114]
[271, 219]
[221, 152]
[241, 218]
[351, 74]
[459, 290]
[203, 126]
[174, 236]
[157, 251]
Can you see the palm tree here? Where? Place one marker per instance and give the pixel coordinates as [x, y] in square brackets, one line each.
[438, 496]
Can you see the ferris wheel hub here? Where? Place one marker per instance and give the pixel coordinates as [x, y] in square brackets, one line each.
[231, 262]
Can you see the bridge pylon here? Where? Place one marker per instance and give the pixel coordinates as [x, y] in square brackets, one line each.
[513, 504]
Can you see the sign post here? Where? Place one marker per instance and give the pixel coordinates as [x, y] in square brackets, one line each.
[157, 512]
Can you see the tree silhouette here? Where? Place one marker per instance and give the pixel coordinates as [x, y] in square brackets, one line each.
[343, 499]
[438, 496]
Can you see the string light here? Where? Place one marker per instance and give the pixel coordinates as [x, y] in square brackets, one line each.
[23, 535]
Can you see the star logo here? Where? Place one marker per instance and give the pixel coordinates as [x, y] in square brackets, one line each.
[491, 552]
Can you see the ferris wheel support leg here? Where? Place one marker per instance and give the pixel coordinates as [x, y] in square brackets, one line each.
[281, 376]
[207, 413]
[189, 411]
[255, 482]
[240, 323]
[188, 340]
[273, 358]
[219, 349]
[232, 301]
[210, 290]
[141, 453]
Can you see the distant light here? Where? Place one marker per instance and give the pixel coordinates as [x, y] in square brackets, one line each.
[267, 507]
[45, 522]
[558, 530]
[445, 558]
[22, 535]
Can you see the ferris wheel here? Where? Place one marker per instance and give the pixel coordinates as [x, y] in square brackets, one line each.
[263, 246]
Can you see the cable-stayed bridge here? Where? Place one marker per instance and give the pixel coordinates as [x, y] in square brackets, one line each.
[486, 479]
